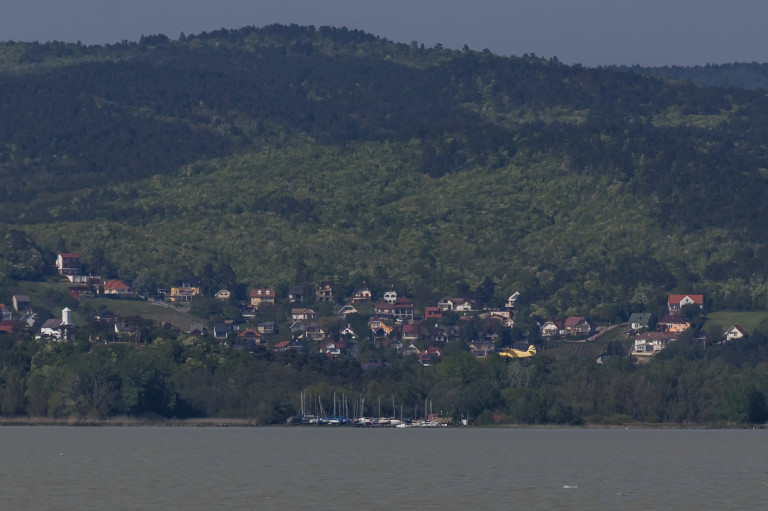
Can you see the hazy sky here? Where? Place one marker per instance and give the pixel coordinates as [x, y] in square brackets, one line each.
[590, 32]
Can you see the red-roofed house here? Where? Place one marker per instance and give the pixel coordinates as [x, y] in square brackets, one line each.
[116, 287]
[577, 325]
[676, 302]
[735, 332]
[410, 332]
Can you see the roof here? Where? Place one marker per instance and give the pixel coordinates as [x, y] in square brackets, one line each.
[52, 323]
[411, 328]
[673, 318]
[574, 321]
[640, 317]
[697, 299]
[262, 292]
[70, 255]
[116, 284]
[739, 329]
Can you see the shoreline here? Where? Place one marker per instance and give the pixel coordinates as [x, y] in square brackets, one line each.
[243, 423]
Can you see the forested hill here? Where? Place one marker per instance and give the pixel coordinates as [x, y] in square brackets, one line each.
[744, 75]
[282, 154]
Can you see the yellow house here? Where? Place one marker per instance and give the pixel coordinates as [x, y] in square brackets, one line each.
[262, 296]
[674, 323]
[183, 292]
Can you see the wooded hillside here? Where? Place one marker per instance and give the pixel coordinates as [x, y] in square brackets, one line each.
[278, 154]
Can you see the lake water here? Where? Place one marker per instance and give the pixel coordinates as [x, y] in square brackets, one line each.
[123, 468]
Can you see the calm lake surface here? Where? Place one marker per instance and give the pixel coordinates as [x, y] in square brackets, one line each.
[119, 468]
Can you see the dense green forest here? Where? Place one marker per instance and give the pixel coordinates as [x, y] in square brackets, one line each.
[285, 154]
[333, 154]
[188, 376]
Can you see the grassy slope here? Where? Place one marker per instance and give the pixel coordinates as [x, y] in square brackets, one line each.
[747, 320]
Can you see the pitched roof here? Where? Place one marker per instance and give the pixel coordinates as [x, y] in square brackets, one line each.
[116, 284]
[697, 299]
[262, 292]
[573, 321]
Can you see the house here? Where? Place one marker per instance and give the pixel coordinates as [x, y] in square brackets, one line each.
[676, 302]
[411, 349]
[125, 331]
[197, 328]
[379, 327]
[444, 333]
[400, 310]
[296, 294]
[223, 295]
[348, 333]
[68, 263]
[456, 304]
[362, 294]
[410, 332]
[638, 320]
[390, 296]
[116, 287]
[183, 292]
[512, 300]
[394, 344]
[430, 356]
[482, 348]
[551, 328]
[265, 328]
[650, 343]
[261, 296]
[314, 332]
[221, 330]
[433, 313]
[5, 313]
[333, 348]
[504, 316]
[735, 332]
[345, 310]
[20, 303]
[247, 340]
[673, 322]
[8, 326]
[577, 325]
[51, 329]
[298, 328]
[324, 292]
[303, 314]
[293, 344]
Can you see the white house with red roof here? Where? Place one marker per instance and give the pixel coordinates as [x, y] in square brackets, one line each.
[676, 302]
[116, 287]
[735, 332]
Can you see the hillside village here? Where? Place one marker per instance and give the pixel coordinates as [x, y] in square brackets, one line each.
[316, 319]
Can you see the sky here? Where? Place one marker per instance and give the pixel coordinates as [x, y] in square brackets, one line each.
[588, 32]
